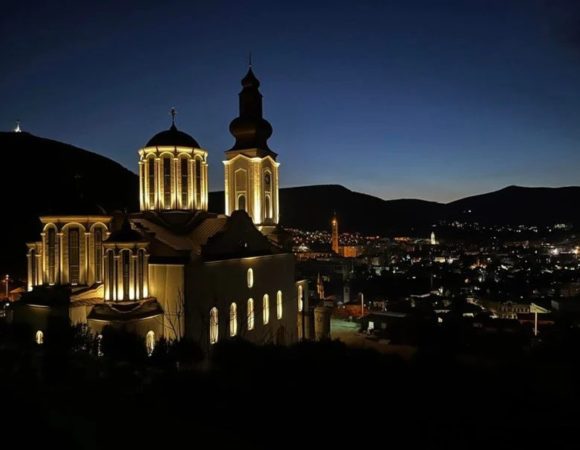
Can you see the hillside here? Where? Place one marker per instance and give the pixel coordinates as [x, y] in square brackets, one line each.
[42, 176]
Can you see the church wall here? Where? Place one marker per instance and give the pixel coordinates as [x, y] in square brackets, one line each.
[166, 283]
[219, 283]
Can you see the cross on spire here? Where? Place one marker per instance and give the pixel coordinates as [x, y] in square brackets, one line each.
[250, 59]
[173, 114]
[17, 129]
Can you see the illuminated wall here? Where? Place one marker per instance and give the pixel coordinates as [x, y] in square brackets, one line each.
[126, 267]
[172, 178]
[69, 252]
[251, 184]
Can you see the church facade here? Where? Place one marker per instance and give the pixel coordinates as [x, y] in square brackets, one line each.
[173, 269]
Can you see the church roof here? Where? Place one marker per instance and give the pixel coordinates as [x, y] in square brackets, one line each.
[172, 138]
[126, 233]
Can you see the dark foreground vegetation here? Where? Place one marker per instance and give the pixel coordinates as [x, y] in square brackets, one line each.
[63, 395]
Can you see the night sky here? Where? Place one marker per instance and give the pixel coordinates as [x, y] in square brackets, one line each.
[427, 99]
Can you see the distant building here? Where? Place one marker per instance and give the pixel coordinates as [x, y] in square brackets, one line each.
[335, 242]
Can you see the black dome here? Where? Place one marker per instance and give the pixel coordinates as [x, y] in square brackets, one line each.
[173, 138]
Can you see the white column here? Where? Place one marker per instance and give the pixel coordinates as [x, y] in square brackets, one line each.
[44, 255]
[29, 262]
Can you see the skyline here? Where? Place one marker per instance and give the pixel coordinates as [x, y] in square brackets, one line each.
[412, 101]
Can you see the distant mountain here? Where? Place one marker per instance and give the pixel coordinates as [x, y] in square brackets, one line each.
[312, 207]
[520, 205]
[42, 176]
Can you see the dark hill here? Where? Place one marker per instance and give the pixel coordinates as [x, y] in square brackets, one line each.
[520, 205]
[42, 176]
[312, 207]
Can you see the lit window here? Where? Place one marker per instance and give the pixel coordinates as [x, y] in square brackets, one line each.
[233, 319]
[213, 326]
[241, 202]
[250, 314]
[250, 278]
[300, 298]
[279, 305]
[39, 337]
[266, 309]
[74, 261]
[150, 342]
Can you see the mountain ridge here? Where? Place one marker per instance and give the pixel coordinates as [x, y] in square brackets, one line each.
[45, 176]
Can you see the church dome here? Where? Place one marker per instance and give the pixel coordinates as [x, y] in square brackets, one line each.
[172, 138]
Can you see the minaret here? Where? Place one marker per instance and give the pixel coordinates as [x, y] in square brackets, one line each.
[433, 238]
[335, 244]
[251, 169]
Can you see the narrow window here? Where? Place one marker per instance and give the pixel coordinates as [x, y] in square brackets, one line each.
[198, 170]
[74, 256]
[250, 314]
[112, 280]
[241, 202]
[233, 320]
[300, 298]
[39, 338]
[98, 253]
[184, 162]
[250, 277]
[51, 255]
[33, 266]
[150, 342]
[126, 264]
[279, 305]
[213, 326]
[151, 180]
[141, 273]
[267, 207]
[266, 309]
[167, 182]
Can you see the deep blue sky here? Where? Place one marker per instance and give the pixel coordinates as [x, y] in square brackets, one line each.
[428, 99]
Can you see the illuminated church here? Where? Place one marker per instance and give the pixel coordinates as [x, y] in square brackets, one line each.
[173, 269]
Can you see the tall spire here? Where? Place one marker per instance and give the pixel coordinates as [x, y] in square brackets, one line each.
[17, 129]
[250, 129]
[250, 60]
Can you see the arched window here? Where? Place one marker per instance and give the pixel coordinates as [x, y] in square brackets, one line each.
[33, 266]
[141, 273]
[266, 309]
[151, 180]
[74, 257]
[198, 170]
[267, 207]
[241, 202]
[126, 266]
[250, 277]
[213, 326]
[167, 181]
[98, 253]
[279, 305]
[112, 280]
[39, 337]
[233, 320]
[51, 243]
[250, 314]
[150, 342]
[184, 168]
[300, 298]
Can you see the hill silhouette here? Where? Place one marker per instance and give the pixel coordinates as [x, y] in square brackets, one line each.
[43, 176]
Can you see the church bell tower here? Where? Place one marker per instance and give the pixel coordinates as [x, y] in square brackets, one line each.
[251, 169]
